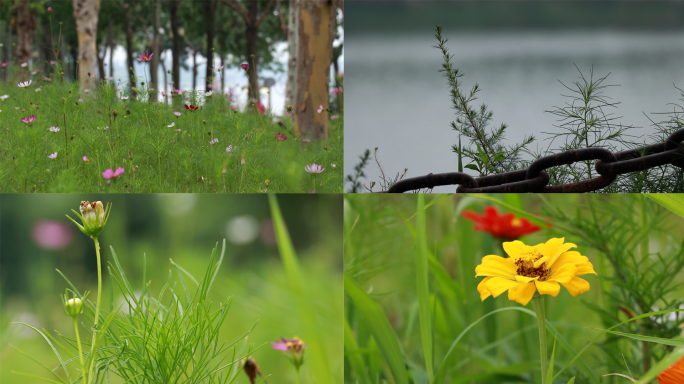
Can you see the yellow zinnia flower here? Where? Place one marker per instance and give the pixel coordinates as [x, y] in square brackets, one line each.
[533, 268]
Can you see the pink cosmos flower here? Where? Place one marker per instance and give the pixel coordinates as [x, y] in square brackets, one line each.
[85, 158]
[229, 148]
[244, 66]
[213, 141]
[51, 234]
[52, 156]
[144, 56]
[163, 93]
[54, 129]
[337, 90]
[110, 78]
[52, 62]
[3, 65]
[49, 9]
[178, 114]
[178, 91]
[261, 108]
[334, 117]
[45, 78]
[28, 120]
[35, 72]
[284, 345]
[320, 109]
[306, 140]
[280, 137]
[109, 174]
[314, 168]
[234, 107]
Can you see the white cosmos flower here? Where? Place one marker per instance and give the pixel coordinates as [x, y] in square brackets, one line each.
[208, 94]
[171, 125]
[123, 97]
[53, 156]
[24, 84]
[54, 129]
[314, 168]
[4, 97]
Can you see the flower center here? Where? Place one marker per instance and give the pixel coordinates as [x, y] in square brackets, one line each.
[516, 222]
[525, 264]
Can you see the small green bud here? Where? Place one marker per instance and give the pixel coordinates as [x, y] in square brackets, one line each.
[73, 306]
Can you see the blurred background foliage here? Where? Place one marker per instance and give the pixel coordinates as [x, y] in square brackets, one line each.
[635, 245]
[36, 238]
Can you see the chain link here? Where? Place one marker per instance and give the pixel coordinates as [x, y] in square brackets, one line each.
[535, 178]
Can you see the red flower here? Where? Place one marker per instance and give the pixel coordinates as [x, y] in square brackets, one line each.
[191, 107]
[280, 136]
[674, 374]
[261, 108]
[245, 66]
[506, 226]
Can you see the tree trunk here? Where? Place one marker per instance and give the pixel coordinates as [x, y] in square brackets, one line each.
[74, 67]
[86, 14]
[314, 55]
[47, 48]
[156, 47]
[111, 59]
[101, 60]
[292, 39]
[176, 46]
[25, 24]
[194, 70]
[251, 35]
[210, 7]
[223, 74]
[166, 84]
[129, 51]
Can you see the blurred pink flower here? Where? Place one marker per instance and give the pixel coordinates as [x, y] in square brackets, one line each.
[337, 90]
[49, 9]
[85, 158]
[28, 120]
[261, 108]
[52, 62]
[314, 168]
[306, 140]
[213, 141]
[109, 174]
[144, 56]
[178, 114]
[45, 78]
[320, 109]
[3, 65]
[244, 66]
[280, 136]
[52, 156]
[234, 107]
[51, 234]
[53, 129]
[334, 117]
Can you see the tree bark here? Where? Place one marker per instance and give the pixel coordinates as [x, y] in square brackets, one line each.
[156, 47]
[292, 39]
[314, 55]
[176, 46]
[210, 8]
[25, 25]
[108, 43]
[129, 50]
[223, 74]
[194, 70]
[251, 35]
[86, 13]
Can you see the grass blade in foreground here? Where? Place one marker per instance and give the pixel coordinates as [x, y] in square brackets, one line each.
[296, 282]
[422, 287]
[380, 329]
[673, 202]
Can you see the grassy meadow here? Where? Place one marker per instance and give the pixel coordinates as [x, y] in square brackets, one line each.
[217, 148]
[160, 242]
[413, 313]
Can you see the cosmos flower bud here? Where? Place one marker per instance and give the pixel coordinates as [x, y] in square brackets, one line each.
[73, 306]
[93, 216]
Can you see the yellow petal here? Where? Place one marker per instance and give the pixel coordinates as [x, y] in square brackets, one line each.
[521, 292]
[496, 266]
[583, 269]
[484, 292]
[498, 285]
[577, 286]
[548, 287]
[514, 248]
[540, 261]
[556, 247]
[570, 257]
[564, 274]
[525, 279]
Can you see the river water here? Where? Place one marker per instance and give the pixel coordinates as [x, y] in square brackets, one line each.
[396, 99]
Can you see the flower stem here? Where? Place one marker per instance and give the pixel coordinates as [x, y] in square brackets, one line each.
[80, 351]
[538, 304]
[97, 305]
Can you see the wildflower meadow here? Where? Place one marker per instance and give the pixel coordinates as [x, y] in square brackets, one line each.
[106, 298]
[514, 288]
[53, 140]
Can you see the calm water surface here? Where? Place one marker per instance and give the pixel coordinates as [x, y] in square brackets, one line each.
[398, 101]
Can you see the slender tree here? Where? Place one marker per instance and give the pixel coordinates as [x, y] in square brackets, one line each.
[86, 13]
[252, 21]
[210, 11]
[25, 24]
[316, 33]
[177, 42]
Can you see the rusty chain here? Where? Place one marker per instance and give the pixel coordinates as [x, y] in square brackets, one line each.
[535, 178]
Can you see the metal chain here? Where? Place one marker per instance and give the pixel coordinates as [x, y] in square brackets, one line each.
[535, 178]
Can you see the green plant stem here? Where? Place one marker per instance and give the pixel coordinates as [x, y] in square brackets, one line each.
[297, 375]
[538, 304]
[80, 351]
[97, 304]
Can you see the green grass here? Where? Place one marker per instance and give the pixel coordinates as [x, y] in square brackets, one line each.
[635, 246]
[156, 158]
